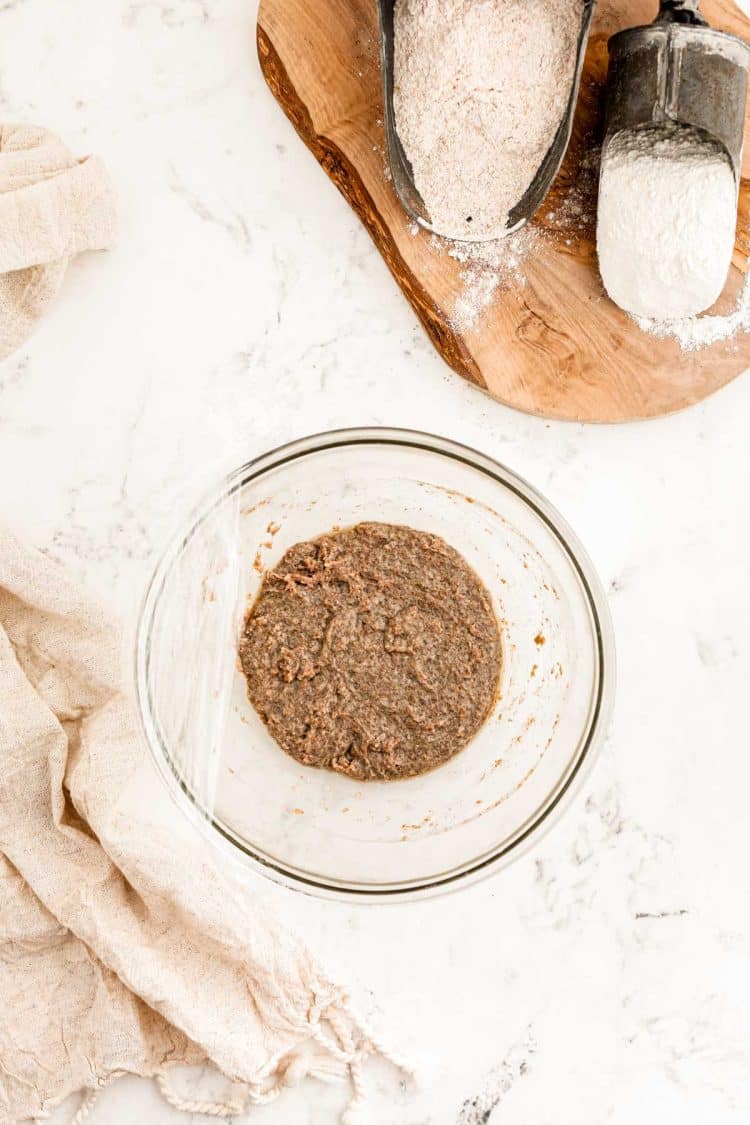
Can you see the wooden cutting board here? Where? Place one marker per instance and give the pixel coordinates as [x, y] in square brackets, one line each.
[553, 345]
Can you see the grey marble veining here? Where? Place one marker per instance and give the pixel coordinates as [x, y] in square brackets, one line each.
[605, 978]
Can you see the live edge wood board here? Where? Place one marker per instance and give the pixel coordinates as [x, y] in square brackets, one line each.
[554, 346]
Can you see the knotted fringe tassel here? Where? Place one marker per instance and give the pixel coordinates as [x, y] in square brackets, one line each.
[346, 1042]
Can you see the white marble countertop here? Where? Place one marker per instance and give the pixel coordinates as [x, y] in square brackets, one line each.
[606, 976]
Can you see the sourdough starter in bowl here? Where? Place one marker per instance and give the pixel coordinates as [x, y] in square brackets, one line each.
[372, 651]
[326, 831]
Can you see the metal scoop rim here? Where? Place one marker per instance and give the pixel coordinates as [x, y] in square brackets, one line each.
[400, 166]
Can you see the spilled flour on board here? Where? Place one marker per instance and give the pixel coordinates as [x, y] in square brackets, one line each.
[575, 214]
[486, 269]
[695, 332]
[489, 268]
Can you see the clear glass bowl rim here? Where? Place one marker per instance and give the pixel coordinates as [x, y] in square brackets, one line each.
[589, 745]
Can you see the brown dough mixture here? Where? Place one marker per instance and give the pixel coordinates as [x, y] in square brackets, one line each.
[373, 651]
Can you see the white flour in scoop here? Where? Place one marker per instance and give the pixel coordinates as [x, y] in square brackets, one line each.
[480, 88]
[666, 221]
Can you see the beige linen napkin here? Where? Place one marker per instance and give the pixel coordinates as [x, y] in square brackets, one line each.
[52, 207]
[123, 948]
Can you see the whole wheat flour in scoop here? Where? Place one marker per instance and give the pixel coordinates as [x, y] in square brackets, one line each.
[480, 88]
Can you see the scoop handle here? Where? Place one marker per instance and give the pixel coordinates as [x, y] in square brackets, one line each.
[680, 11]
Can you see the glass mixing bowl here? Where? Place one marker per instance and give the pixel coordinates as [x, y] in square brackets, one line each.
[328, 834]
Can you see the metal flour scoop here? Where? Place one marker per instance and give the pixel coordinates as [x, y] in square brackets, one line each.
[401, 170]
[678, 69]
